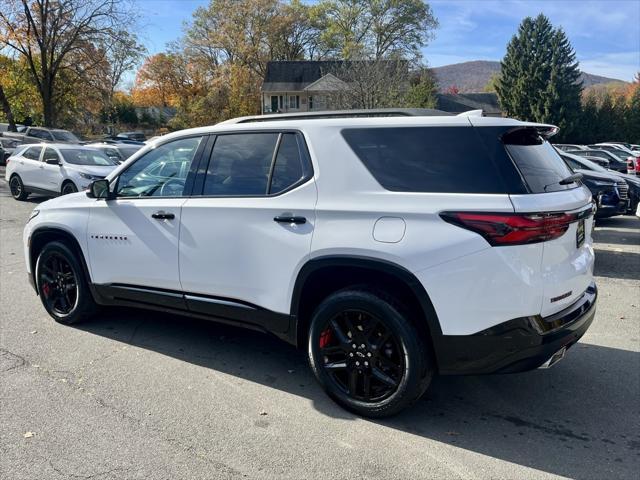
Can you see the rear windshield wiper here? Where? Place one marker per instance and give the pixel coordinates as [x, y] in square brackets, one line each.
[566, 181]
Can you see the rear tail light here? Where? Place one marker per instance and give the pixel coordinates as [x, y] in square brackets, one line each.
[501, 229]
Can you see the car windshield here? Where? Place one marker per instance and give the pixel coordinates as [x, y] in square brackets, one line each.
[128, 151]
[77, 156]
[64, 136]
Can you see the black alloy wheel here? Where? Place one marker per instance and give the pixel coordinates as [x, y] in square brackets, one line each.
[366, 352]
[58, 284]
[361, 355]
[68, 188]
[62, 284]
[17, 188]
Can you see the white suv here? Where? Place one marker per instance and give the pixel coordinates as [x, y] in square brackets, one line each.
[55, 169]
[390, 249]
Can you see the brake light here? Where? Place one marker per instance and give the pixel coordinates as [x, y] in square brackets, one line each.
[501, 229]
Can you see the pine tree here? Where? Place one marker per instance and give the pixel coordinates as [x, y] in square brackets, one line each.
[633, 115]
[588, 121]
[540, 76]
[606, 120]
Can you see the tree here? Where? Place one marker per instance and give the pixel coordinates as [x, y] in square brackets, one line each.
[374, 29]
[540, 76]
[6, 109]
[588, 121]
[452, 90]
[490, 87]
[50, 34]
[422, 90]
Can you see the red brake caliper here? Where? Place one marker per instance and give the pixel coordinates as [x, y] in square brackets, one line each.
[46, 289]
[325, 338]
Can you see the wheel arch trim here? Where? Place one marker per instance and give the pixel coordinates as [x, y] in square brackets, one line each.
[368, 263]
[59, 232]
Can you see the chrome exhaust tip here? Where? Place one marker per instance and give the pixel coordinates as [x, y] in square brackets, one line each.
[555, 358]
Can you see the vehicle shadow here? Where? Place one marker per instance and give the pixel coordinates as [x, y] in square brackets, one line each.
[579, 419]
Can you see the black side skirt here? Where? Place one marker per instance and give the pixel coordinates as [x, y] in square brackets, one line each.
[216, 309]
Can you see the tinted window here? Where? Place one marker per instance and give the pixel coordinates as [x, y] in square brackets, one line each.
[43, 134]
[426, 159]
[32, 153]
[78, 156]
[240, 164]
[288, 169]
[161, 172]
[64, 136]
[50, 154]
[538, 162]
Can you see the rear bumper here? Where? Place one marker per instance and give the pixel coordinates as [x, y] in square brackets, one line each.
[518, 345]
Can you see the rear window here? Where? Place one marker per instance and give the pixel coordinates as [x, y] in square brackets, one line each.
[538, 162]
[426, 159]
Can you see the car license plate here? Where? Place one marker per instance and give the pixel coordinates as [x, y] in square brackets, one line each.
[580, 234]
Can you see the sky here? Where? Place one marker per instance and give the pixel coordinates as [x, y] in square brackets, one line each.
[605, 34]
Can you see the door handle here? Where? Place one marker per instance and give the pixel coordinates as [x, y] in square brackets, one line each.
[162, 215]
[290, 219]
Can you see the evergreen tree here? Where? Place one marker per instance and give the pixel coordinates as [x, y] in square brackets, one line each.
[540, 76]
[633, 115]
[588, 121]
[606, 120]
[422, 90]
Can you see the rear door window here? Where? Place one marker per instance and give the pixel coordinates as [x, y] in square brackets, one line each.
[538, 162]
[426, 159]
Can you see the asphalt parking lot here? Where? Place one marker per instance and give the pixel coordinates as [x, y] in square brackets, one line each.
[138, 395]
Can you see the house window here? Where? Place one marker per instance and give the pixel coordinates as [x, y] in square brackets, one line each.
[294, 101]
[310, 103]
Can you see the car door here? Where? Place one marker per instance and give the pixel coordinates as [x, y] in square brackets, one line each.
[133, 237]
[247, 229]
[48, 176]
[29, 166]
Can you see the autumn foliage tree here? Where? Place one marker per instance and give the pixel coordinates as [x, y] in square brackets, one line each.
[60, 38]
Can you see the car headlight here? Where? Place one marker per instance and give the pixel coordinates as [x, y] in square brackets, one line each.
[34, 214]
[87, 176]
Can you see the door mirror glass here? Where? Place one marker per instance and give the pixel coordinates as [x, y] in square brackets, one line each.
[52, 161]
[99, 189]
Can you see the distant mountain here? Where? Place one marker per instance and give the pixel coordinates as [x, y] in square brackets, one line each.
[473, 76]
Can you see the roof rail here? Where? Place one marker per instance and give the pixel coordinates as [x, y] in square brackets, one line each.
[374, 112]
[471, 113]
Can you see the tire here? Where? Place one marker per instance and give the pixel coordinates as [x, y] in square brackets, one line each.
[388, 355]
[68, 187]
[53, 282]
[17, 188]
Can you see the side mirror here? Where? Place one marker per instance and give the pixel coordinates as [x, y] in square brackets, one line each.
[53, 161]
[99, 189]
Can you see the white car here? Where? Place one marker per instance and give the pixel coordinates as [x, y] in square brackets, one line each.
[389, 249]
[55, 169]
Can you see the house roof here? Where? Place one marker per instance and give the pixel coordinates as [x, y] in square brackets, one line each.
[463, 102]
[296, 75]
[291, 76]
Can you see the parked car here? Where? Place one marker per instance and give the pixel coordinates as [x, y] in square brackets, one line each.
[8, 146]
[119, 152]
[41, 134]
[633, 164]
[609, 192]
[54, 169]
[613, 162]
[565, 147]
[136, 136]
[630, 191]
[4, 127]
[617, 145]
[352, 238]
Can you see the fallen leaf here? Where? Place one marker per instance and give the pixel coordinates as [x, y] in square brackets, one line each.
[34, 331]
[28, 434]
[262, 412]
[622, 317]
